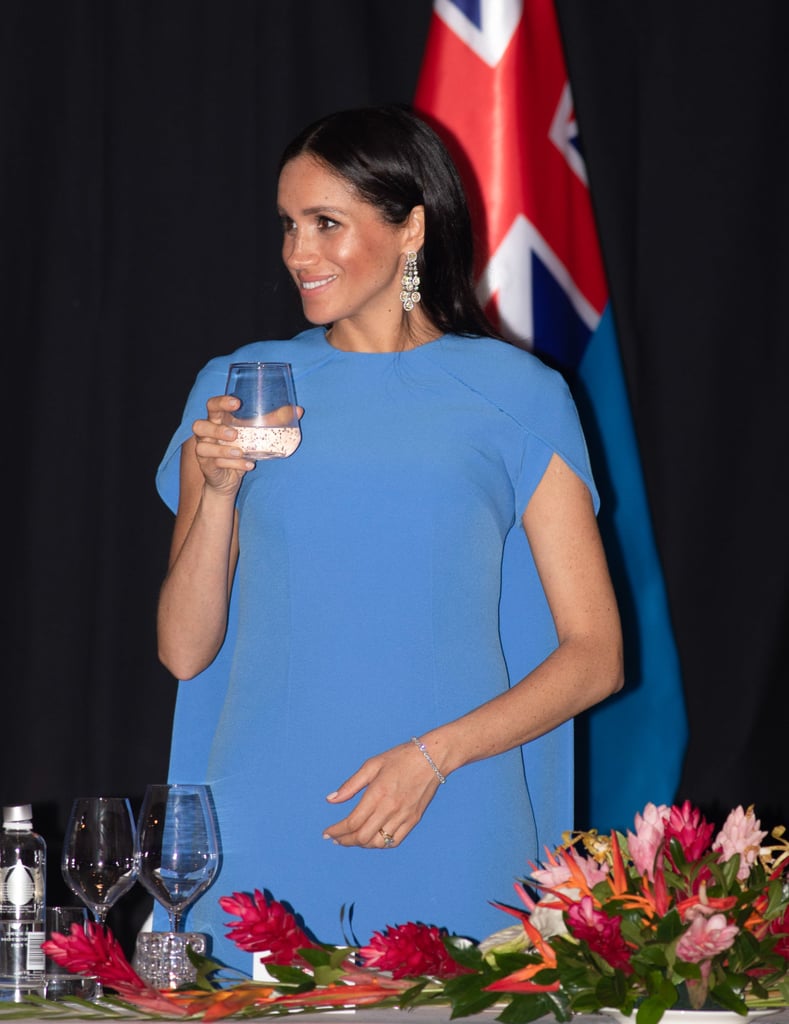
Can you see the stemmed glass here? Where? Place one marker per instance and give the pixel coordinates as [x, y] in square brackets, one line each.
[98, 862]
[177, 845]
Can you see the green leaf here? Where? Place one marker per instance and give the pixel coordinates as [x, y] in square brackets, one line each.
[776, 900]
[669, 928]
[654, 956]
[473, 1003]
[728, 871]
[650, 1010]
[728, 999]
[464, 983]
[525, 1008]
[467, 956]
[205, 968]
[612, 991]
[687, 971]
[328, 975]
[660, 989]
[291, 977]
[320, 957]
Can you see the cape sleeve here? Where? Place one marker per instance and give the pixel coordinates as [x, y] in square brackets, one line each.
[548, 413]
[210, 381]
[553, 427]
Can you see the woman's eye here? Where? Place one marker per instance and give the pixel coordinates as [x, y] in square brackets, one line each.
[326, 222]
[286, 224]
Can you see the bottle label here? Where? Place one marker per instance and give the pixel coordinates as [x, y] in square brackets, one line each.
[22, 959]
[18, 886]
[36, 961]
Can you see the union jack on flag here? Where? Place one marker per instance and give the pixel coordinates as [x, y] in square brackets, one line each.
[495, 86]
[494, 76]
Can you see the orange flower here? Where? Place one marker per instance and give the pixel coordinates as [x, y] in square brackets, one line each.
[520, 981]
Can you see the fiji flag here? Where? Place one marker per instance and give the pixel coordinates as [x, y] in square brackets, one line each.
[494, 84]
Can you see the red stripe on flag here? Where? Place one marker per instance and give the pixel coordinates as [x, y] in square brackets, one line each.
[497, 122]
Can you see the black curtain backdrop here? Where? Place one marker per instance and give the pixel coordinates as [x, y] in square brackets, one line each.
[138, 141]
[682, 107]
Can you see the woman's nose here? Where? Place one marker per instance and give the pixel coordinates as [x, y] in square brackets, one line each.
[297, 251]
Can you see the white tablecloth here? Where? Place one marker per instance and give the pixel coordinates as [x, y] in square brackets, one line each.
[434, 1015]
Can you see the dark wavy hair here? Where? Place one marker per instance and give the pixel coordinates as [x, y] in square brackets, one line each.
[395, 161]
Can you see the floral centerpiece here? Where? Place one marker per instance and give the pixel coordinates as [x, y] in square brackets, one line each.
[668, 914]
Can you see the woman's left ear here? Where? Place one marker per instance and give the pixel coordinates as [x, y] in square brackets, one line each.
[415, 228]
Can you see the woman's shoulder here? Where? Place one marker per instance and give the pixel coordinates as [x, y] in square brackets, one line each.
[514, 381]
[501, 369]
[524, 389]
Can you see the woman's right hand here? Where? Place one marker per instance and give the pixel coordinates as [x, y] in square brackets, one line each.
[222, 465]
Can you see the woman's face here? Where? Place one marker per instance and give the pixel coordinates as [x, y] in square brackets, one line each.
[345, 259]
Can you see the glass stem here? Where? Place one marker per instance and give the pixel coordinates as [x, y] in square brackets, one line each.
[100, 913]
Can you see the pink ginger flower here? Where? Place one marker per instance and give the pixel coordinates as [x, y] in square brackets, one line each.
[265, 927]
[557, 872]
[647, 840]
[557, 878]
[706, 937]
[690, 828]
[411, 950]
[740, 834]
[601, 932]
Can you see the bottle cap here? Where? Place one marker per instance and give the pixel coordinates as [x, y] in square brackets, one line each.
[19, 812]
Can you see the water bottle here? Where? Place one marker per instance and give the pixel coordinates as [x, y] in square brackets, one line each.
[23, 858]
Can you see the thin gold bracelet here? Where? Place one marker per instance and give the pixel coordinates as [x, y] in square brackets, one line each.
[420, 746]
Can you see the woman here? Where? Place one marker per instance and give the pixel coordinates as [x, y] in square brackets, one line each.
[418, 595]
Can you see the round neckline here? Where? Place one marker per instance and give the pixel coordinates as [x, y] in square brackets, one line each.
[395, 352]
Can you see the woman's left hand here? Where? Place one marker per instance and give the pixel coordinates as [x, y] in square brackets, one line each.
[398, 787]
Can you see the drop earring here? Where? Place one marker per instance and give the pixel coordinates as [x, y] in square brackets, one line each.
[409, 296]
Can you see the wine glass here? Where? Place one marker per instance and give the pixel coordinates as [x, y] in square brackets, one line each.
[177, 845]
[98, 862]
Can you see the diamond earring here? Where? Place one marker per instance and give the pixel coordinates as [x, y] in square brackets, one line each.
[410, 283]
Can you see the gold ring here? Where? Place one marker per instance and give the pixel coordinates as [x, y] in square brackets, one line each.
[388, 840]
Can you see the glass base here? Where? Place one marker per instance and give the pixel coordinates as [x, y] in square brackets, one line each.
[18, 993]
[63, 986]
[160, 958]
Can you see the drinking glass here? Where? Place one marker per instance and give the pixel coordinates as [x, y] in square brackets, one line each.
[60, 982]
[98, 862]
[267, 421]
[177, 845]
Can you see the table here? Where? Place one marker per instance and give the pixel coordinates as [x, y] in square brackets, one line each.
[419, 1015]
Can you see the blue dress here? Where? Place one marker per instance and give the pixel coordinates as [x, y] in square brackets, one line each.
[384, 586]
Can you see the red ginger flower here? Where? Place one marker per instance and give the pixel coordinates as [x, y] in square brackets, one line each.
[780, 927]
[692, 830]
[95, 951]
[265, 927]
[603, 933]
[411, 950]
